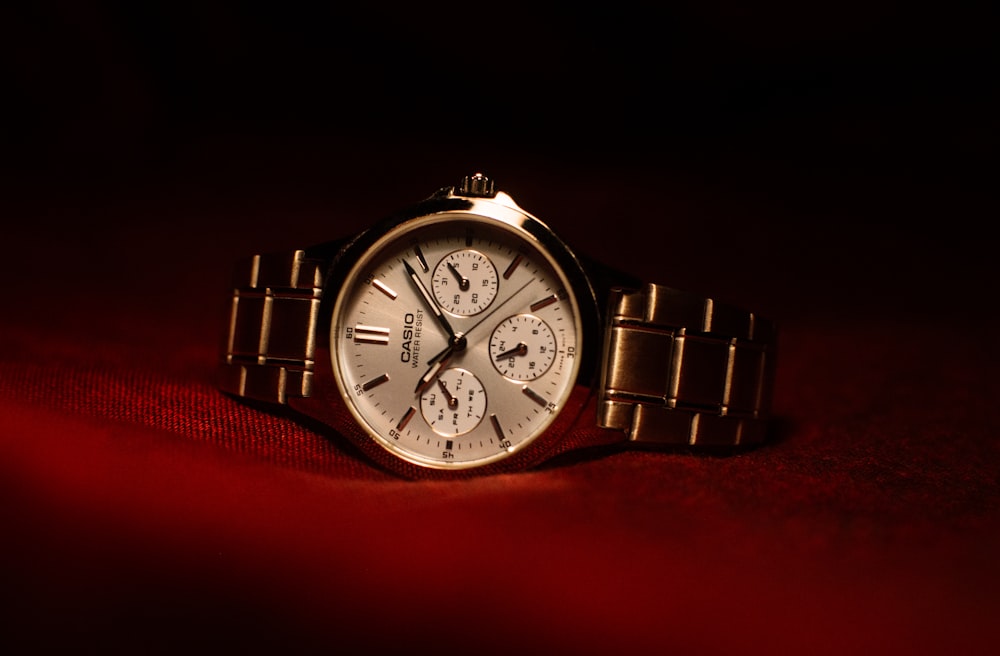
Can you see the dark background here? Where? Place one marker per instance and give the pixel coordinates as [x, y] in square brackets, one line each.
[830, 165]
[854, 137]
[877, 87]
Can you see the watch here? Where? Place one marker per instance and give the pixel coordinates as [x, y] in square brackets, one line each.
[462, 336]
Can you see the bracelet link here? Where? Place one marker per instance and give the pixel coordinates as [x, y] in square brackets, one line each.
[270, 347]
[681, 369]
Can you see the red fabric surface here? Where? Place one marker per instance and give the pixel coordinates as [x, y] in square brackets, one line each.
[827, 165]
[144, 511]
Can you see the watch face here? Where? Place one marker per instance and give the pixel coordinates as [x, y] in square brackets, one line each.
[455, 338]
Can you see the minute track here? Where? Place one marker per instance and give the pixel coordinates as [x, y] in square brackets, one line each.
[676, 368]
[458, 341]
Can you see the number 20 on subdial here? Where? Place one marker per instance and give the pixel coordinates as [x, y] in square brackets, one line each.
[522, 347]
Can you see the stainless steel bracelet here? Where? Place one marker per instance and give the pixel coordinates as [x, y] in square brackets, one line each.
[679, 369]
[269, 353]
[676, 368]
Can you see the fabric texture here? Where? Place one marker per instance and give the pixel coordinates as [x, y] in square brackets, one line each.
[143, 511]
[829, 166]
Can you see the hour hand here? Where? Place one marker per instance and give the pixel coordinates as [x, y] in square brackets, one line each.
[437, 364]
[428, 299]
[520, 349]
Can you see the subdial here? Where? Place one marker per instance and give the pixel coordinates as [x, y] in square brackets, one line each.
[465, 282]
[455, 403]
[522, 347]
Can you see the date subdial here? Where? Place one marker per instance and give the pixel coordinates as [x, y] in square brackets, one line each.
[522, 347]
[465, 282]
[455, 403]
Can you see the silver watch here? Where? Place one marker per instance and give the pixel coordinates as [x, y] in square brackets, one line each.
[461, 336]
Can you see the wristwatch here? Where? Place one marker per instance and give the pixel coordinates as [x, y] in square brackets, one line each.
[462, 336]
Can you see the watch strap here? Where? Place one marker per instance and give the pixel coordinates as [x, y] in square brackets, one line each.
[680, 369]
[270, 345]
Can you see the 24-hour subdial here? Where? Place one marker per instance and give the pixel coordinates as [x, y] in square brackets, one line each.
[522, 347]
[465, 282]
[455, 404]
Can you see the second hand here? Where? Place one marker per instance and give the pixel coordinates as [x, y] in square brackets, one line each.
[494, 310]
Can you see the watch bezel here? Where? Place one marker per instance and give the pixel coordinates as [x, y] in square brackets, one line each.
[327, 390]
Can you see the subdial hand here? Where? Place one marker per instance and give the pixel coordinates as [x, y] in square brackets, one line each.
[452, 401]
[463, 282]
[429, 300]
[520, 349]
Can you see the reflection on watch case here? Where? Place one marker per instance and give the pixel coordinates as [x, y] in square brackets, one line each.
[463, 336]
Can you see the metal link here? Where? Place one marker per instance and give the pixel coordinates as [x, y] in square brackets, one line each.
[676, 369]
[269, 352]
[681, 369]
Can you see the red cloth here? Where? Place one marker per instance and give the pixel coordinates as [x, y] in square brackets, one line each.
[144, 511]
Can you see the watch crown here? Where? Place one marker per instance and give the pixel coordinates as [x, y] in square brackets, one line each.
[477, 184]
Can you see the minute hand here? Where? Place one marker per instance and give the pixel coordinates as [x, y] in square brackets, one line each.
[429, 300]
[456, 343]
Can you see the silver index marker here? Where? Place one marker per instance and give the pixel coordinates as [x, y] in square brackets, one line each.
[384, 288]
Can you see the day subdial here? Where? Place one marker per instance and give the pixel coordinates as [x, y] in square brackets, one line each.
[465, 282]
[522, 347]
[455, 403]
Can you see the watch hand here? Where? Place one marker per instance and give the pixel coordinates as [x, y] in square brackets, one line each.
[463, 282]
[429, 300]
[438, 363]
[457, 342]
[452, 401]
[520, 349]
[494, 310]
[446, 353]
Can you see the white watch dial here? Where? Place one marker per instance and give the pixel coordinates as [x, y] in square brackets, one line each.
[419, 369]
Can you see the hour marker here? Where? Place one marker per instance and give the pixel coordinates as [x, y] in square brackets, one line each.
[548, 300]
[496, 427]
[384, 288]
[371, 335]
[406, 418]
[513, 267]
[420, 258]
[374, 382]
[534, 396]
[448, 445]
